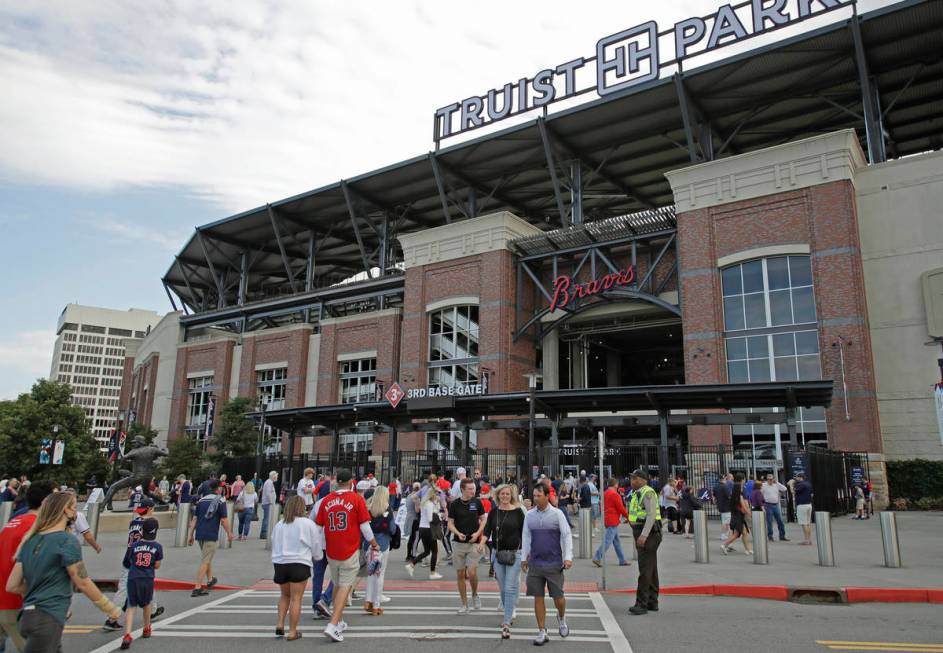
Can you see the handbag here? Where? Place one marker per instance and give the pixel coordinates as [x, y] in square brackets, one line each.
[507, 558]
[240, 504]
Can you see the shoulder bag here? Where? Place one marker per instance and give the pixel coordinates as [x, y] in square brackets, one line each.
[502, 557]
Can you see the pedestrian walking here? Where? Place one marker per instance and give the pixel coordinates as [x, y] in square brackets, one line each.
[505, 526]
[721, 492]
[344, 518]
[237, 487]
[645, 517]
[466, 522]
[142, 559]
[669, 505]
[859, 502]
[688, 503]
[429, 526]
[209, 515]
[772, 489]
[296, 545]
[246, 502]
[615, 514]
[269, 498]
[739, 528]
[135, 529]
[546, 552]
[802, 495]
[411, 525]
[383, 525]
[48, 565]
[305, 488]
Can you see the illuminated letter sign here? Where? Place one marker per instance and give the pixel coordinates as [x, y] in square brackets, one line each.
[626, 58]
[566, 290]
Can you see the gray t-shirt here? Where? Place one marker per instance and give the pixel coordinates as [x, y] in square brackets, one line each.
[48, 585]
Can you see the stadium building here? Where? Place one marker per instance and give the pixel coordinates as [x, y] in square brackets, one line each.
[740, 256]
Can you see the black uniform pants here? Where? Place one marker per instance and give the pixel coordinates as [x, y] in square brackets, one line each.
[647, 592]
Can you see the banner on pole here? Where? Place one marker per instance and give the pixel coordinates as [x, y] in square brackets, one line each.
[58, 452]
[938, 400]
[45, 451]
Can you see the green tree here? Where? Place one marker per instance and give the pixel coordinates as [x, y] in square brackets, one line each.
[185, 456]
[143, 430]
[234, 434]
[46, 412]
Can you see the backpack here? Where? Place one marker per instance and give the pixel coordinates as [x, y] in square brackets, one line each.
[214, 506]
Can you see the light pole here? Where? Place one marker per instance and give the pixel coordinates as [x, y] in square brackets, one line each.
[258, 445]
[531, 400]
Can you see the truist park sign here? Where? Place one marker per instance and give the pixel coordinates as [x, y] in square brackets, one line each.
[567, 291]
[624, 59]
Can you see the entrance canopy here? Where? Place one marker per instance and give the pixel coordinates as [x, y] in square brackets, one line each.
[583, 408]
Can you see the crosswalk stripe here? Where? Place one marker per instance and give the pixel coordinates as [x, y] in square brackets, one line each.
[398, 634]
[267, 628]
[417, 610]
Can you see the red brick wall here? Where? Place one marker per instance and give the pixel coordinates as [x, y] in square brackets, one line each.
[262, 348]
[824, 218]
[194, 357]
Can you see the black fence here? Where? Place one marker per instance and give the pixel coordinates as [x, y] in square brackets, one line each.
[832, 473]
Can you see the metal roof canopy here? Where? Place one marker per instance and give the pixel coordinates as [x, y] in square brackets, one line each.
[475, 411]
[611, 153]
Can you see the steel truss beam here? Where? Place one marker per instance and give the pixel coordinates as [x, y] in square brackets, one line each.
[874, 130]
[353, 220]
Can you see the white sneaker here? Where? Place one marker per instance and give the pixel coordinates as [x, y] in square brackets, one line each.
[385, 599]
[476, 602]
[564, 629]
[463, 610]
[500, 609]
[514, 614]
[410, 569]
[334, 633]
[723, 547]
[435, 576]
[342, 626]
[541, 638]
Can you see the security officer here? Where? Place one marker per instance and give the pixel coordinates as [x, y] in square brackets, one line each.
[645, 517]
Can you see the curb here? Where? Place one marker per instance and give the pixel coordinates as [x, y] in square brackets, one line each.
[160, 584]
[789, 593]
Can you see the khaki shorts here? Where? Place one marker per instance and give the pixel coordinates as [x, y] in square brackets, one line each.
[859, 504]
[208, 550]
[725, 518]
[804, 514]
[344, 572]
[465, 556]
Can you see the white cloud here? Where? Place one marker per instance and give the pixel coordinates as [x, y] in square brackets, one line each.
[24, 357]
[250, 102]
[128, 230]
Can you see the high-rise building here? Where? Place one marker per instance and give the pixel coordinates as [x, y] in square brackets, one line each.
[89, 355]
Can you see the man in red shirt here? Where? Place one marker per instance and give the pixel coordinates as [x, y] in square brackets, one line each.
[344, 518]
[10, 538]
[615, 513]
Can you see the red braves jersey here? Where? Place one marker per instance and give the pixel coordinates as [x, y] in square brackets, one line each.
[341, 515]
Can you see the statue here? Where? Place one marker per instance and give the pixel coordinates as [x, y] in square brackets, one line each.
[142, 469]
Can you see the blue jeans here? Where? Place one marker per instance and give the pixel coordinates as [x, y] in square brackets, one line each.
[317, 582]
[612, 539]
[772, 512]
[509, 584]
[266, 509]
[245, 521]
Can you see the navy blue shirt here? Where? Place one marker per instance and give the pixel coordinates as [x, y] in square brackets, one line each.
[142, 557]
[803, 490]
[209, 511]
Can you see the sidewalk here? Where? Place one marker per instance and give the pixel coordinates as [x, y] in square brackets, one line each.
[858, 554]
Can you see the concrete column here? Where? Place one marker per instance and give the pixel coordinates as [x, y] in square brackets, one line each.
[613, 368]
[577, 364]
[551, 360]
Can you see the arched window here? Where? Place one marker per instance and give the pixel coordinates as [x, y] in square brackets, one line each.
[770, 334]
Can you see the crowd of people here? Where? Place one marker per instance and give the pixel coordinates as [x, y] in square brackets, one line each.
[347, 528]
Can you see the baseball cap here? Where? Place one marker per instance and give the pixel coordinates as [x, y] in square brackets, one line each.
[144, 506]
[344, 475]
[370, 475]
[363, 485]
[460, 470]
[149, 528]
[641, 473]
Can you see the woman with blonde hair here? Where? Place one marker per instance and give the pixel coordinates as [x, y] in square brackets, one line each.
[383, 524]
[246, 504]
[428, 525]
[296, 544]
[505, 526]
[48, 563]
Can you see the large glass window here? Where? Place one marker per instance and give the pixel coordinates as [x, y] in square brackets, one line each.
[270, 386]
[451, 440]
[198, 401]
[771, 335]
[453, 347]
[358, 380]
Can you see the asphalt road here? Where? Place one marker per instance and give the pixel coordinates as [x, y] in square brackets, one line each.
[424, 620]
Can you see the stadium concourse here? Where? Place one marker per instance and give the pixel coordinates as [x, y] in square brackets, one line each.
[420, 615]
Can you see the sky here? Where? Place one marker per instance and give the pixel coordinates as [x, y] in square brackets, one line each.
[123, 125]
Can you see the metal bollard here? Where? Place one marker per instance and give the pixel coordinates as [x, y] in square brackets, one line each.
[6, 512]
[701, 548]
[586, 533]
[183, 524]
[889, 538]
[823, 538]
[275, 513]
[760, 543]
[93, 515]
[224, 541]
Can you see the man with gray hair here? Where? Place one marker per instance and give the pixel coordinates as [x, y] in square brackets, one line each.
[269, 498]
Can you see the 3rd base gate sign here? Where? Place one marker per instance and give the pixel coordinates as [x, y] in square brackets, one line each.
[396, 394]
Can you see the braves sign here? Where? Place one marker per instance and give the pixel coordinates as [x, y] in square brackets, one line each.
[566, 290]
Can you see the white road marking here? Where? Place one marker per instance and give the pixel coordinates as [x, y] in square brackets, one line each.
[620, 643]
[398, 634]
[114, 645]
[416, 610]
[358, 628]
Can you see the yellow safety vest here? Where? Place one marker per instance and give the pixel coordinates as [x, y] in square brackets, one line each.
[637, 510]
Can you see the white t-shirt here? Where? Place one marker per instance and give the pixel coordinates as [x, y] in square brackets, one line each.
[771, 492]
[429, 508]
[248, 500]
[456, 490]
[307, 496]
[81, 524]
[296, 543]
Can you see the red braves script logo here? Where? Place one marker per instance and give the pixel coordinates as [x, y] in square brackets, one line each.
[566, 291]
[395, 394]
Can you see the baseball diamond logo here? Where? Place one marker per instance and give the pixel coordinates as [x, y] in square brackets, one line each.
[395, 394]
